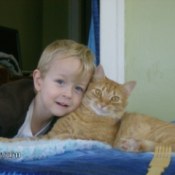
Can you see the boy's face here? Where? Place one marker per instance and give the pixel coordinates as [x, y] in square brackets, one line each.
[61, 90]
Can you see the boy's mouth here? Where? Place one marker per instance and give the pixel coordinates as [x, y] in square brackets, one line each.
[62, 104]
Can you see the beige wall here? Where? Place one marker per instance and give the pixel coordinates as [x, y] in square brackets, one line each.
[40, 22]
[26, 17]
[55, 20]
[150, 56]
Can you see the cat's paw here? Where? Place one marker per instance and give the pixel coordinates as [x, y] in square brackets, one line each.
[129, 144]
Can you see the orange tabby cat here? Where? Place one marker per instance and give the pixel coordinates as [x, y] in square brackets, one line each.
[102, 116]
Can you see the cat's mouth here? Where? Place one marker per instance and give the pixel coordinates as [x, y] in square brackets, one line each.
[100, 111]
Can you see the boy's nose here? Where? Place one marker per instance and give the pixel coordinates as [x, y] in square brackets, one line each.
[68, 92]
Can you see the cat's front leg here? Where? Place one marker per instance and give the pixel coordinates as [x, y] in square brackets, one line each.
[3, 139]
[128, 144]
[134, 145]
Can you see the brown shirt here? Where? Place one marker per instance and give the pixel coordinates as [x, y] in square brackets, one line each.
[15, 98]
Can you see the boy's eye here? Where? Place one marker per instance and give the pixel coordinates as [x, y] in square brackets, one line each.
[60, 81]
[80, 89]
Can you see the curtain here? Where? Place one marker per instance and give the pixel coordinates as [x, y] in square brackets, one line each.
[94, 31]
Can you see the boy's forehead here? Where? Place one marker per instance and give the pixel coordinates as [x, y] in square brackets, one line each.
[70, 65]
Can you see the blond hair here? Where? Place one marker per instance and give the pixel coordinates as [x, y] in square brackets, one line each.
[66, 48]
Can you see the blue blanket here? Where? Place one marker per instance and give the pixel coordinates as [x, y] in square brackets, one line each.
[73, 157]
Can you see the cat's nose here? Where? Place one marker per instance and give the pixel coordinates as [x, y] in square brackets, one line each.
[102, 105]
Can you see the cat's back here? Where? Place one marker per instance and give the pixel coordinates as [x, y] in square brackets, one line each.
[134, 118]
[140, 125]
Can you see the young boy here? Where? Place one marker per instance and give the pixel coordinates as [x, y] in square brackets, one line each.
[30, 107]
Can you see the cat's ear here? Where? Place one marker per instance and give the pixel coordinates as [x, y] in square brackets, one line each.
[99, 73]
[129, 86]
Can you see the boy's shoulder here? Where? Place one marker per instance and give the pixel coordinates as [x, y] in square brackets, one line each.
[18, 84]
[18, 90]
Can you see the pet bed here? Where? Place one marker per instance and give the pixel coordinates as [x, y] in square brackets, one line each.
[72, 157]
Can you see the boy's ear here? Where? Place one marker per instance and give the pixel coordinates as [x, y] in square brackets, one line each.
[99, 73]
[37, 79]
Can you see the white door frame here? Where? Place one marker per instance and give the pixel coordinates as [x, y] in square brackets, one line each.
[112, 38]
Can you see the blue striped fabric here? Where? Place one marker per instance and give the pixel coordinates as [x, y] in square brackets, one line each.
[86, 162]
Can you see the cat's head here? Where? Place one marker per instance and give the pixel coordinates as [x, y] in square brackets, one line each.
[106, 97]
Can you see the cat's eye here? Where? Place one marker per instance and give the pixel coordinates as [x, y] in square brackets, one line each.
[115, 98]
[98, 92]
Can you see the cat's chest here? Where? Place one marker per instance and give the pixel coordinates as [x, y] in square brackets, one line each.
[98, 126]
